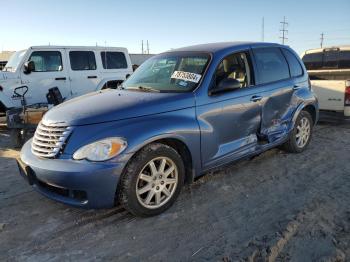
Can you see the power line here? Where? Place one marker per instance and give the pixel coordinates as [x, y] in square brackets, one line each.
[284, 30]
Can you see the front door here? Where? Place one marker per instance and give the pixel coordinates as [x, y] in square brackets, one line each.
[229, 121]
[50, 71]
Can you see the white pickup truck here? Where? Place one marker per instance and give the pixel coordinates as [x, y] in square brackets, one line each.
[73, 70]
[329, 72]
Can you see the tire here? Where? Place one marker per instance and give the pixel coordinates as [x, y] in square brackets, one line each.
[147, 189]
[293, 145]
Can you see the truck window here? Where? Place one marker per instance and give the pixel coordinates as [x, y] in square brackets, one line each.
[294, 65]
[113, 60]
[330, 58]
[47, 61]
[82, 60]
[235, 66]
[344, 60]
[313, 61]
[271, 64]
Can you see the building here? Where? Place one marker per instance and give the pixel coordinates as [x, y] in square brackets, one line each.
[4, 57]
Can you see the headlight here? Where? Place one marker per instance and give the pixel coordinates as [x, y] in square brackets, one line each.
[101, 150]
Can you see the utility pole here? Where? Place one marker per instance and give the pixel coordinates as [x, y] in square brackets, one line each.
[322, 38]
[142, 47]
[284, 30]
[147, 47]
[263, 30]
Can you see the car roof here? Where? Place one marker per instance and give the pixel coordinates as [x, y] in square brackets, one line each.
[78, 47]
[220, 46]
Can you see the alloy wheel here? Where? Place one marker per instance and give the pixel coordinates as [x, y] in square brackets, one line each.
[157, 182]
[303, 132]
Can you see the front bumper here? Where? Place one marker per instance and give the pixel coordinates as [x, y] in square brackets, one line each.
[78, 183]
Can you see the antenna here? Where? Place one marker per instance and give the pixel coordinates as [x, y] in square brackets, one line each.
[322, 39]
[284, 30]
[263, 30]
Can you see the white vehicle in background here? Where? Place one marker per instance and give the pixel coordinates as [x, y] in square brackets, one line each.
[329, 72]
[73, 70]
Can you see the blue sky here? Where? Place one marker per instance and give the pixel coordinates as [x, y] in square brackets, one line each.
[170, 24]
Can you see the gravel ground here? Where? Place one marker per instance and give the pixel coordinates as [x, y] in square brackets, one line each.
[275, 207]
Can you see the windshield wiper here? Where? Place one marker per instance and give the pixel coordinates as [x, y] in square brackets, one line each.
[144, 88]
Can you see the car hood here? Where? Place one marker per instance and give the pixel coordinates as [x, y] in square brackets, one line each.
[111, 105]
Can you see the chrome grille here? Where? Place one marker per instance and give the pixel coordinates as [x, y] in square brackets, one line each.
[49, 139]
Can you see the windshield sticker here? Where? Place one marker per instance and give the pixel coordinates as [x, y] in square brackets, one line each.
[183, 83]
[187, 76]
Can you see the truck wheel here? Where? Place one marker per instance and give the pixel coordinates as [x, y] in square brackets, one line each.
[17, 138]
[152, 180]
[300, 136]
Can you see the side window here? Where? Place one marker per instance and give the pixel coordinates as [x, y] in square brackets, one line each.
[47, 61]
[271, 64]
[235, 66]
[113, 60]
[313, 61]
[82, 60]
[330, 58]
[294, 65]
[344, 61]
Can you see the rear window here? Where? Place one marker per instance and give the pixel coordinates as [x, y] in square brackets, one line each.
[113, 60]
[294, 65]
[271, 64]
[82, 60]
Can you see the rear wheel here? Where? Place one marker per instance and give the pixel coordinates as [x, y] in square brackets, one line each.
[152, 180]
[301, 134]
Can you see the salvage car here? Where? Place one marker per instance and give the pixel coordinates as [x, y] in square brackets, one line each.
[181, 114]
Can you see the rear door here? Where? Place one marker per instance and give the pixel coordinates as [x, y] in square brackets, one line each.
[278, 103]
[84, 76]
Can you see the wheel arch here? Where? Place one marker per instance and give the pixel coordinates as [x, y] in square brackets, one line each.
[177, 143]
[308, 107]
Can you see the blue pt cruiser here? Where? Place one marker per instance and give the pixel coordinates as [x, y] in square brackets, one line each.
[181, 113]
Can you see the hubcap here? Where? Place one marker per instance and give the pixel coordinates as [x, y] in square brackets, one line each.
[157, 182]
[303, 132]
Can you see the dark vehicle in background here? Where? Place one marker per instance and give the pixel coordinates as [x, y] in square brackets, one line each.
[181, 114]
[329, 71]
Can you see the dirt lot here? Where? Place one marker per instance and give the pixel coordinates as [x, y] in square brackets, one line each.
[276, 207]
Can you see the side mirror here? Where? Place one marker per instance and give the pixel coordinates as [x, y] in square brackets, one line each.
[29, 67]
[227, 84]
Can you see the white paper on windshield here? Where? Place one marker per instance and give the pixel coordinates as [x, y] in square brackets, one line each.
[187, 76]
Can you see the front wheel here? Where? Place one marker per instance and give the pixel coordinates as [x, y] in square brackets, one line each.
[152, 180]
[301, 134]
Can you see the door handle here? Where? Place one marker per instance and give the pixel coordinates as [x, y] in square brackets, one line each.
[296, 87]
[92, 77]
[255, 98]
[60, 78]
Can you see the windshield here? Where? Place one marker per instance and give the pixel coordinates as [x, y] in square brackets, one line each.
[14, 61]
[172, 72]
